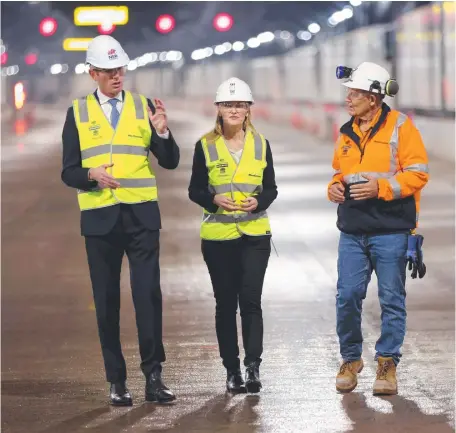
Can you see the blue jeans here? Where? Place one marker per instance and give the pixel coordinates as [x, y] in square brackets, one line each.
[358, 256]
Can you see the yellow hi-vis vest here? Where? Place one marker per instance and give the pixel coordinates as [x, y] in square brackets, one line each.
[236, 181]
[127, 147]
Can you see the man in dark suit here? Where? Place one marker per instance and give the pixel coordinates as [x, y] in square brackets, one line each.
[106, 138]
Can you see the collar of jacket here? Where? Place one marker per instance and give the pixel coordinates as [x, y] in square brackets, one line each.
[95, 93]
[347, 128]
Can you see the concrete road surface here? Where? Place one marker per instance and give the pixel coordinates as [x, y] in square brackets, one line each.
[52, 371]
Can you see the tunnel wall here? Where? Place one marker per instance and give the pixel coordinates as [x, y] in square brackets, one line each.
[300, 89]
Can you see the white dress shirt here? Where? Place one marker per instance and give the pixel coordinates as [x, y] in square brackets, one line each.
[107, 108]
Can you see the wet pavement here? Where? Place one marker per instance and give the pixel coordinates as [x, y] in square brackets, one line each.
[52, 371]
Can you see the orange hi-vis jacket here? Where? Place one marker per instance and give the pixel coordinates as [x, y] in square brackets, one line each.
[393, 152]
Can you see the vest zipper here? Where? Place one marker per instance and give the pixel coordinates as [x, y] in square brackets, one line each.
[363, 149]
[235, 171]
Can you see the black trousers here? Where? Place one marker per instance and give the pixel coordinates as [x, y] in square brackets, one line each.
[105, 255]
[237, 269]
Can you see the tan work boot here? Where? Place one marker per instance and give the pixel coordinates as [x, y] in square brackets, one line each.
[347, 378]
[386, 382]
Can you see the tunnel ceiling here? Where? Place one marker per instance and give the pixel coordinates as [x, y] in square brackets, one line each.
[20, 23]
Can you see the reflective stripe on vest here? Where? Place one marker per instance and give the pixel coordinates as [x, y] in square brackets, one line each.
[245, 188]
[118, 149]
[213, 154]
[128, 183]
[394, 144]
[237, 218]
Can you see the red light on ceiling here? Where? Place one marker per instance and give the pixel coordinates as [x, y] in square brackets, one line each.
[165, 23]
[48, 26]
[106, 29]
[31, 59]
[223, 22]
[4, 58]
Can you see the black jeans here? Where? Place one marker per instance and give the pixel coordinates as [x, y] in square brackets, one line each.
[105, 255]
[237, 269]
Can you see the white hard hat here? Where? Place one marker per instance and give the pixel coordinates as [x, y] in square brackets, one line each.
[106, 52]
[234, 89]
[369, 76]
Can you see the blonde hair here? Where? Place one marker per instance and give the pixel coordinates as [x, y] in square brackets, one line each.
[217, 132]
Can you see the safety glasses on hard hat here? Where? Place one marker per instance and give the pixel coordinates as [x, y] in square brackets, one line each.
[236, 105]
[353, 94]
[111, 72]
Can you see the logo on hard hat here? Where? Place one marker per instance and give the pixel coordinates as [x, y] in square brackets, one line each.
[112, 54]
[232, 88]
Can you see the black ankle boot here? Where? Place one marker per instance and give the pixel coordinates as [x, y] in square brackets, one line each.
[119, 394]
[234, 381]
[252, 378]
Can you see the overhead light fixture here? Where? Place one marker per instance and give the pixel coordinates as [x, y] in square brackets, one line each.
[304, 35]
[314, 28]
[56, 69]
[98, 15]
[253, 43]
[223, 22]
[208, 51]
[219, 50]
[238, 46]
[132, 65]
[348, 12]
[266, 37]
[76, 44]
[198, 54]
[80, 68]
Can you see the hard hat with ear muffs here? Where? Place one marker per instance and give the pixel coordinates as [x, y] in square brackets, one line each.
[368, 76]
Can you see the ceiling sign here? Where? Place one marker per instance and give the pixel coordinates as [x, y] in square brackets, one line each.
[76, 44]
[101, 15]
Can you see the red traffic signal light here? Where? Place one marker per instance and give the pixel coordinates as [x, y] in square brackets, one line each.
[31, 59]
[4, 58]
[48, 26]
[106, 29]
[223, 22]
[165, 23]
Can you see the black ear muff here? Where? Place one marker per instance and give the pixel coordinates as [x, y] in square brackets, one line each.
[391, 87]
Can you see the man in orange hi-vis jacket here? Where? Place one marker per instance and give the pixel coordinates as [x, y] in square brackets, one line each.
[381, 166]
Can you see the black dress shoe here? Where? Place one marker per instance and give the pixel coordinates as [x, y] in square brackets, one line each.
[156, 390]
[119, 394]
[235, 382]
[252, 378]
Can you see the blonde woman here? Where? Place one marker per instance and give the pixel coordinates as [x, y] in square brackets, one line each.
[233, 181]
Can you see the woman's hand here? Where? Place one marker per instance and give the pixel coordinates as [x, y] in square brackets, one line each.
[249, 204]
[225, 203]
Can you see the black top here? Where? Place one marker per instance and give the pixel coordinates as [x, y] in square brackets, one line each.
[198, 190]
[101, 221]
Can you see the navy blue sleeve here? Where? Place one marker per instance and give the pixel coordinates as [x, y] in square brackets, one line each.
[166, 151]
[198, 190]
[73, 174]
